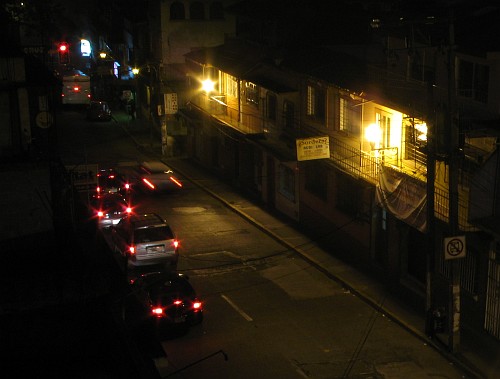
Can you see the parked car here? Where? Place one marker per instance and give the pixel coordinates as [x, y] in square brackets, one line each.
[99, 111]
[109, 209]
[156, 176]
[164, 298]
[146, 239]
[111, 181]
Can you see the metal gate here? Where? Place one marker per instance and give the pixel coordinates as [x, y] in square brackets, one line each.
[492, 312]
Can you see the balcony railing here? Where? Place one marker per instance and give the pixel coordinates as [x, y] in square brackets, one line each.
[361, 165]
[348, 158]
[217, 107]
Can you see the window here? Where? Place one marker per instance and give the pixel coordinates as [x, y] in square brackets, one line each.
[271, 106]
[349, 117]
[231, 85]
[316, 103]
[252, 93]
[316, 179]
[288, 114]
[287, 182]
[216, 11]
[177, 11]
[473, 80]
[196, 11]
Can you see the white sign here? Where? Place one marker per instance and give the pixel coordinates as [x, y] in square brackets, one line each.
[83, 177]
[454, 247]
[171, 105]
[313, 148]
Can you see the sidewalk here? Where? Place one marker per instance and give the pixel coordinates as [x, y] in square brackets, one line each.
[479, 356]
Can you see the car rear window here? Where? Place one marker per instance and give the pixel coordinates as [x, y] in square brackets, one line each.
[168, 290]
[113, 205]
[154, 233]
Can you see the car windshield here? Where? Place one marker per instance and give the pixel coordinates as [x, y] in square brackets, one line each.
[156, 233]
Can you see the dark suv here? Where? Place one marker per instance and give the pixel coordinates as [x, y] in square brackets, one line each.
[110, 181]
[146, 239]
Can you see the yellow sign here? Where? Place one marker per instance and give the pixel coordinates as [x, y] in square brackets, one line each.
[313, 148]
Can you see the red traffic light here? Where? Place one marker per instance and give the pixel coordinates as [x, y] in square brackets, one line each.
[63, 49]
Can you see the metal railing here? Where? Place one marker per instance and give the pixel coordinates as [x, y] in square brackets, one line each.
[217, 108]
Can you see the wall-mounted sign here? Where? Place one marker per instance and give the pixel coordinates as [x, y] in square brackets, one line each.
[85, 48]
[171, 105]
[454, 247]
[313, 148]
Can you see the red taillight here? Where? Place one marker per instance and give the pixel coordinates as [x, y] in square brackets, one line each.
[100, 213]
[157, 311]
[128, 210]
[98, 189]
[177, 302]
[197, 305]
[76, 89]
[176, 181]
[175, 243]
[131, 250]
[127, 186]
[148, 183]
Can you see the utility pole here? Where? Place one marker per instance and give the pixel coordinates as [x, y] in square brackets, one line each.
[430, 227]
[453, 157]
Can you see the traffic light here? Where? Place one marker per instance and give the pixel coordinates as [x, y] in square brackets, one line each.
[63, 50]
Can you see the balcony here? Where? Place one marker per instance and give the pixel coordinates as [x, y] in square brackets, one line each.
[359, 164]
[226, 112]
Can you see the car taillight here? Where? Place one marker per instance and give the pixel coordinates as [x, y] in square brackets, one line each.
[177, 302]
[128, 210]
[197, 305]
[148, 183]
[175, 243]
[98, 189]
[100, 213]
[131, 250]
[176, 181]
[157, 311]
[127, 186]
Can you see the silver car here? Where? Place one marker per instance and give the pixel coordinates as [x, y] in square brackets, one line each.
[146, 239]
[157, 176]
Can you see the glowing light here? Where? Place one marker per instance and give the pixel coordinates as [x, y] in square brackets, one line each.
[135, 71]
[157, 311]
[207, 85]
[422, 128]
[148, 183]
[176, 181]
[85, 48]
[373, 133]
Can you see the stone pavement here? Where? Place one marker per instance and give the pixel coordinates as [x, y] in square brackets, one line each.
[479, 355]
